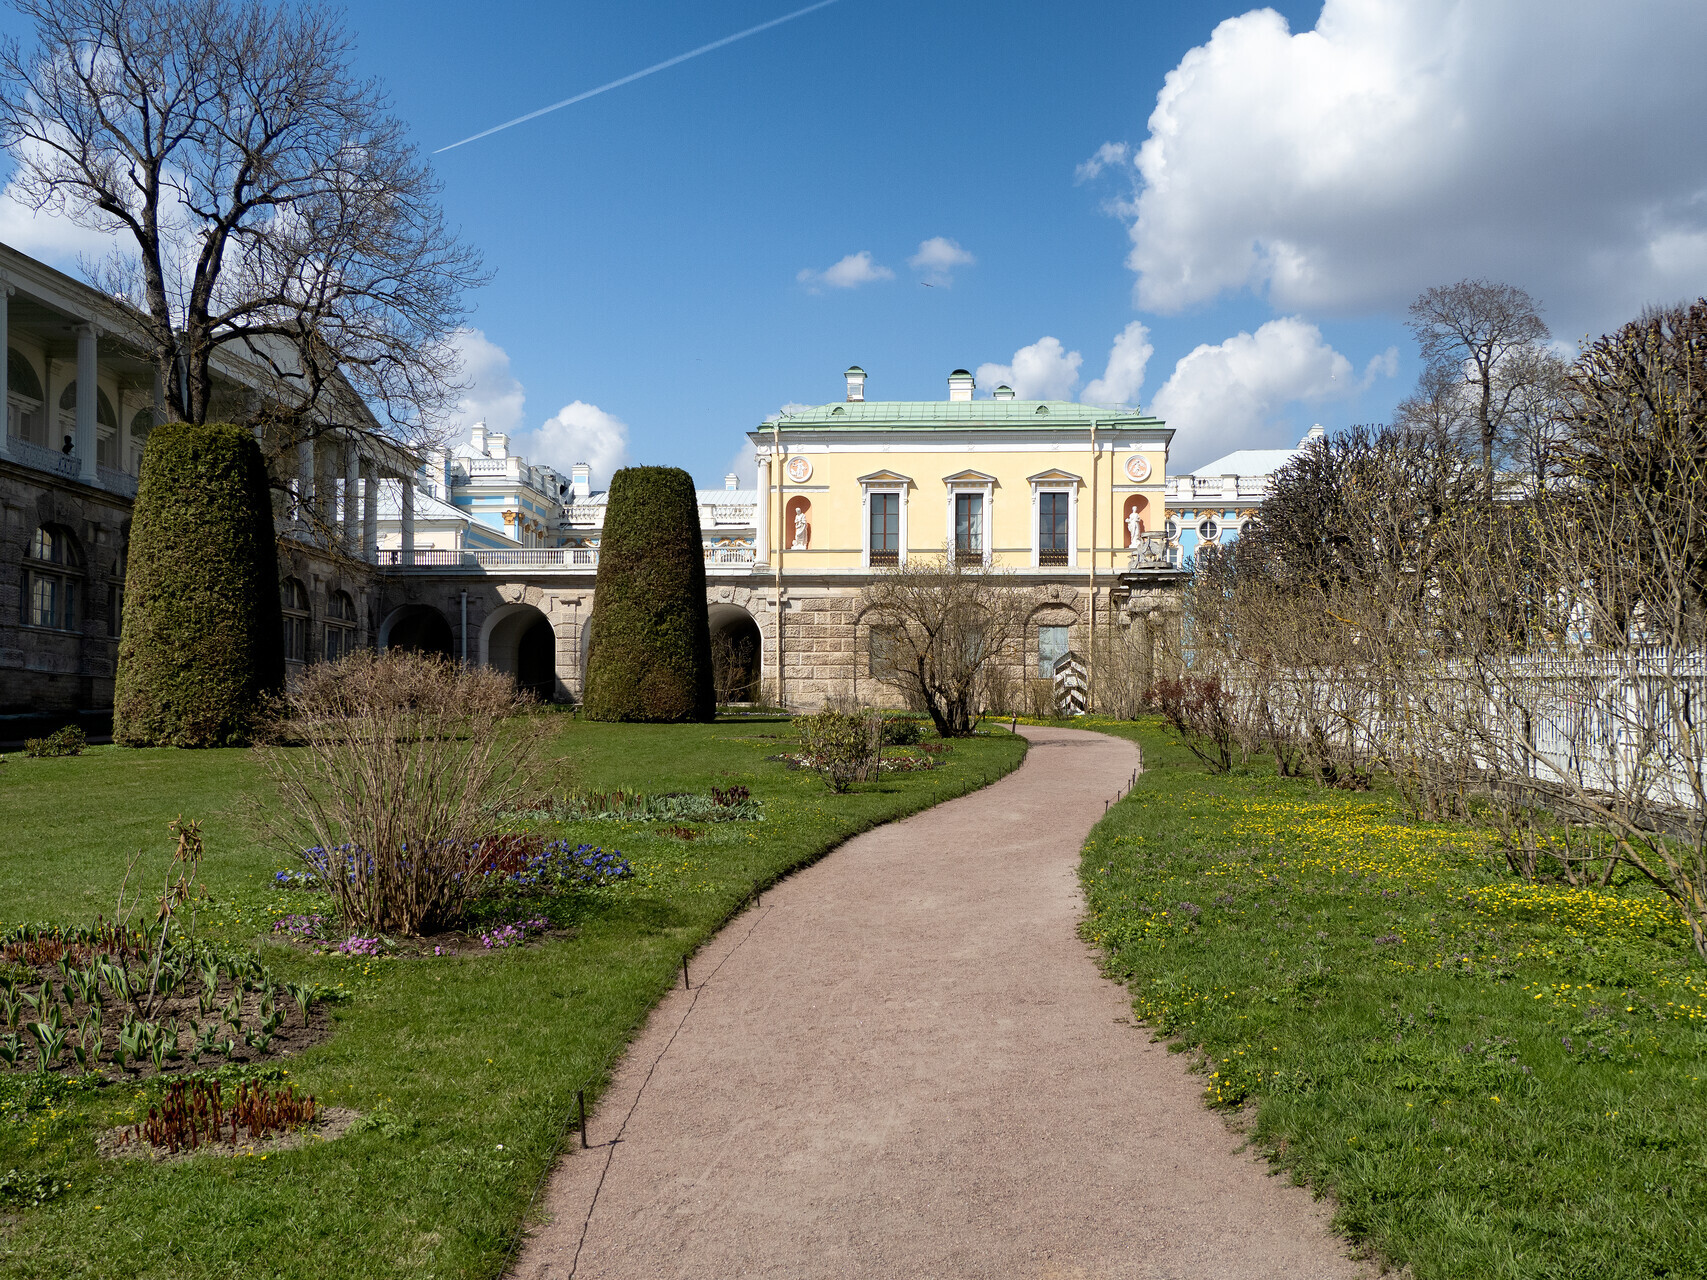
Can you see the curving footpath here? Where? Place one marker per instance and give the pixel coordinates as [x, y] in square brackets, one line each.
[904, 1064]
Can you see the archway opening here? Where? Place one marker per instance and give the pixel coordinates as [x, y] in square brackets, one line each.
[421, 628]
[737, 653]
[522, 644]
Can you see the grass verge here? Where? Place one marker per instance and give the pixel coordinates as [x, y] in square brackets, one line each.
[466, 1067]
[1491, 1078]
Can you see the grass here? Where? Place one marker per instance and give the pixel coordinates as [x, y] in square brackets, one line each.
[468, 1067]
[1491, 1078]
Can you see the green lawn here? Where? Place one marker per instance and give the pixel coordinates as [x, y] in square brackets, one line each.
[475, 1062]
[1492, 1079]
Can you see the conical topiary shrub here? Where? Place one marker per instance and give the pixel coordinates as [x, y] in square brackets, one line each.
[650, 653]
[201, 646]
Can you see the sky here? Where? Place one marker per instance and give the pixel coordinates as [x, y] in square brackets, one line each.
[1214, 213]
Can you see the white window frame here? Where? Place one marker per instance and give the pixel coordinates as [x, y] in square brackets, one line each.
[1070, 487]
[869, 486]
[985, 489]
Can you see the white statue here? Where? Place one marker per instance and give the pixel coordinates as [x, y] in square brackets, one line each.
[1134, 528]
[799, 529]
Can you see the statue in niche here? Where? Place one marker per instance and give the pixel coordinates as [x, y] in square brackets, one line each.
[1134, 528]
[799, 543]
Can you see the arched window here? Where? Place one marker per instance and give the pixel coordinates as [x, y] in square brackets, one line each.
[293, 599]
[24, 417]
[53, 571]
[340, 625]
[140, 425]
[106, 423]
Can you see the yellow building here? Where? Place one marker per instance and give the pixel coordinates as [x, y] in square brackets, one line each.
[1055, 492]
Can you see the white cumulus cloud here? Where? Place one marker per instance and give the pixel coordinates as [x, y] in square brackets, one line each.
[578, 432]
[938, 257]
[851, 272]
[1405, 143]
[492, 393]
[1127, 361]
[1043, 371]
[1232, 395]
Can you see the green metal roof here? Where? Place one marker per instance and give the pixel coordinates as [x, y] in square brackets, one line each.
[1013, 415]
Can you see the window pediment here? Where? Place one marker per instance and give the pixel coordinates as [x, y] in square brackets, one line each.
[1055, 476]
[969, 477]
[885, 477]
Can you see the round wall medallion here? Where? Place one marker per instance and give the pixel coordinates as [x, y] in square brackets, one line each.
[1138, 468]
[799, 469]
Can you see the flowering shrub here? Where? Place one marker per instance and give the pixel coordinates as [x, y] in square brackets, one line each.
[513, 935]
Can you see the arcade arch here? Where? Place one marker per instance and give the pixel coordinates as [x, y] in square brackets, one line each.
[419, 627]
[737, 653]
[518, 640]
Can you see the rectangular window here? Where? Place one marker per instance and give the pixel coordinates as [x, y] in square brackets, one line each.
[885, 544]
[295, 639]
[969, 526]
[1051, 644]
[1052, 528]
[115, 610]
[44, 601]
[340, 643]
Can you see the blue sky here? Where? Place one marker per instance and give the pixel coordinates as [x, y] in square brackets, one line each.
[1302, 184]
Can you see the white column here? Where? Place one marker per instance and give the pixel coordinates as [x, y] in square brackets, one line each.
[305, 483]
[5, 354]
[762, 517]
[408, 510]
[370, 513]
[86, 393]
[352, 485]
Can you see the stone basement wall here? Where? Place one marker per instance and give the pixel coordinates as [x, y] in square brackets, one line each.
[50, 678]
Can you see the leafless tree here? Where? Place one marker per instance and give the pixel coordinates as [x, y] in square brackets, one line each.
[269, 204]
[1474, 332]
[937, 627]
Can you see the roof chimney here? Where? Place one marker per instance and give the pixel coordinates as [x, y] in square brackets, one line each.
[960, 385]
[1004, 392]
[497, 444]
[580, 481]
[856, 384]
[477, 438]
[731, 482]
[1314, 433]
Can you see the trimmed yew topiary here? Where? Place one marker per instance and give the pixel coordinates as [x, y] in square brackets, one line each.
[201, 646]
[650, 653]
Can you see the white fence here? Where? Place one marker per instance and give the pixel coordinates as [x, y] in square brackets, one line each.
[1631, 724]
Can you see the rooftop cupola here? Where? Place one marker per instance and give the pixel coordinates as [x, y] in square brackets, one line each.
[580, 481]
[1004, 392]
[477, 438]
[856, 384]
[960, 385]
[731, 482]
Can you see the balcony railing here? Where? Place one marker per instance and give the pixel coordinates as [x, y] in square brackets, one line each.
[51, 460]
[569, 558]
[1051, 557]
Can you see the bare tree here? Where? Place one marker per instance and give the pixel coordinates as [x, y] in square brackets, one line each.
[937, 627]
[269, 203]
[1473, 331]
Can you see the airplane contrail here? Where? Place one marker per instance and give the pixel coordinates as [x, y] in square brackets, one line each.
[629, 79]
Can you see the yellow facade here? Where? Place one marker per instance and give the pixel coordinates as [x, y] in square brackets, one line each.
[1021, 460]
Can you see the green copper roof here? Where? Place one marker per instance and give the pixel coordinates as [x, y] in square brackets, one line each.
[879, 415]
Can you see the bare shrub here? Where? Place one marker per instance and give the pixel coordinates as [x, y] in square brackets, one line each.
[391, 768]
[1199, 709]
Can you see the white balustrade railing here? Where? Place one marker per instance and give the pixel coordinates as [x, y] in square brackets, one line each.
[566, 558]
[51, 460]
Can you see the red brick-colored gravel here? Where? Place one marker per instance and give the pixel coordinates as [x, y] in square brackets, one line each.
[904, 1064]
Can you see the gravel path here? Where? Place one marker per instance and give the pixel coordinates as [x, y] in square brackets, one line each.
[904, 1064]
